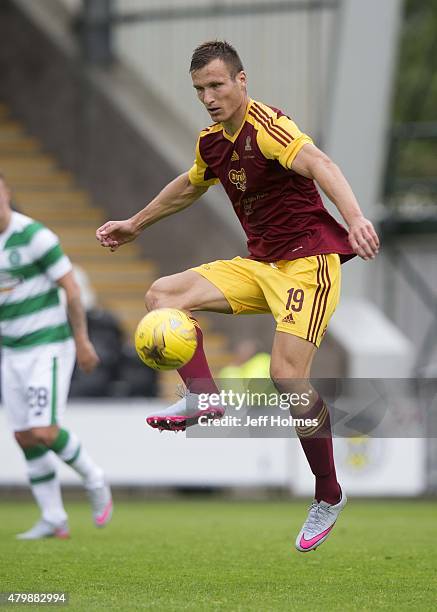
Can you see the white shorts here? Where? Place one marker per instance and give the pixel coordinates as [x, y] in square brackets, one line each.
[35, 384]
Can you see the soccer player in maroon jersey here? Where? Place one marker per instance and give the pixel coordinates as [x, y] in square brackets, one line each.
[268, 169]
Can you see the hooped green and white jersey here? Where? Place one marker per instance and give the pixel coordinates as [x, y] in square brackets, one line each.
[31, 261]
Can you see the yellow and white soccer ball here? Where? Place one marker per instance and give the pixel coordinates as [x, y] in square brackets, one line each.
[165, 339]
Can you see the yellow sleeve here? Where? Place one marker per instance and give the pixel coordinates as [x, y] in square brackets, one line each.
[199, 173]
[282, 140]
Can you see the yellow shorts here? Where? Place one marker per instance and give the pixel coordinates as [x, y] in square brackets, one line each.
[301, 294]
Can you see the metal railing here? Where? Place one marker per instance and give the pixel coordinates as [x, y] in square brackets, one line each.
[286, 47]
[98, 18]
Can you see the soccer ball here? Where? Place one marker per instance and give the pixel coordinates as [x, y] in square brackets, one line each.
[165, 339]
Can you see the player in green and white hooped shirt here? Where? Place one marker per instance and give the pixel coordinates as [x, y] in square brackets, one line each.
[39, 346]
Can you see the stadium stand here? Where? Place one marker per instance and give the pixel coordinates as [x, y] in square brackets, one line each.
[44, 191]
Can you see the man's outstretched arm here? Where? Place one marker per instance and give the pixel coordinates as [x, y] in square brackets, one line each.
[176, 196]
[314, 164]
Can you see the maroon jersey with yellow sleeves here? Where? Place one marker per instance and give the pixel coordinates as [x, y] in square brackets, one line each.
[281, 211]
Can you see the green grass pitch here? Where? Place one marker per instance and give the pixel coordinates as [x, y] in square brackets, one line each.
[218, 555]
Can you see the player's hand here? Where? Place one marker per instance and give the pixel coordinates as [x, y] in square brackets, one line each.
[87, 358]
[113, 234]
[363, 238]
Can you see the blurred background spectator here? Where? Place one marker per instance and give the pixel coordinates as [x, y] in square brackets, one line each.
[120, 372]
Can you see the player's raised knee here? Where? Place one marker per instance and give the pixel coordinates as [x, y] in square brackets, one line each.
[162, 294]
[157, 295]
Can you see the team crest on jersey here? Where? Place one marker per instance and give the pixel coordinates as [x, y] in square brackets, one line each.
[238, 178]
[14, 258]
[248, 146]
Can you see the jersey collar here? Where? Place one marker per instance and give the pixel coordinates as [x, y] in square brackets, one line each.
[237, 133]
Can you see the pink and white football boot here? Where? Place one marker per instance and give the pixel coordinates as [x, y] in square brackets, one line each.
[185, 413]
[319, 524]
[46, 529]
[101, 504]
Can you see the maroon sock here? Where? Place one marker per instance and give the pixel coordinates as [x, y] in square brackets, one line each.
[196, 373]
[317, 444]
